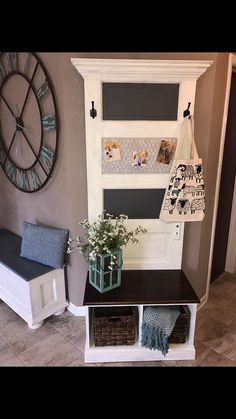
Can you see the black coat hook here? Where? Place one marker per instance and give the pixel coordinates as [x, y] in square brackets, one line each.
[93, 112]
[187, 112]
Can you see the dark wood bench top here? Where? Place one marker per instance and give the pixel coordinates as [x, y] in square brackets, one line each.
[10, 247]
[145, 287]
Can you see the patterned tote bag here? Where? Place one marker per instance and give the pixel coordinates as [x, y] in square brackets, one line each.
[184, 198]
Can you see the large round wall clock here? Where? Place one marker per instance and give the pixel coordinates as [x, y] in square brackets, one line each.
[29, 123]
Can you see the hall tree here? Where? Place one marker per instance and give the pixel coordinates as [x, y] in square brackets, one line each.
[109, 86]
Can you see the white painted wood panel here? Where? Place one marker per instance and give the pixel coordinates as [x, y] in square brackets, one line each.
[158, 249]
[33, 300]
[140, 70]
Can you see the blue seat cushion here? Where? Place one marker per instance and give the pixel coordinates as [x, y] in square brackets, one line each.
[45, 245]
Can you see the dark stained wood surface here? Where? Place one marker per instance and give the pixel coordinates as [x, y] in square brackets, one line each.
[145, 287]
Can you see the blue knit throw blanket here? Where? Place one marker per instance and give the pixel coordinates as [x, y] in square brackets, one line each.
[158, 323]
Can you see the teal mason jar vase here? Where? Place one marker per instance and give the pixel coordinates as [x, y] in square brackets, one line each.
[100, 276]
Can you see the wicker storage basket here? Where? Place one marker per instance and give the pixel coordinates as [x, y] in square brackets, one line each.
[114, 325]
[180, 331]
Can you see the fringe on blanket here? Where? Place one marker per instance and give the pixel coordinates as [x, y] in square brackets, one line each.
[153, 338]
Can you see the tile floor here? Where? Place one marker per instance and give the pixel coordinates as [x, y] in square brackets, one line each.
[60, 341]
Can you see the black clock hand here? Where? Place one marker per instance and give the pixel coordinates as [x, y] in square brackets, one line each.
[26, 130]
[21, 127]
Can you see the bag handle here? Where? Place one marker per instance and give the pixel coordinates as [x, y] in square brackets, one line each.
[194, 153]
[183, 143]
[186, 147]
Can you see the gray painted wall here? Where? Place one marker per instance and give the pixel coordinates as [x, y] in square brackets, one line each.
[63, 201]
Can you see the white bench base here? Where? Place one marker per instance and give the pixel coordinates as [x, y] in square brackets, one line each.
[34, 300]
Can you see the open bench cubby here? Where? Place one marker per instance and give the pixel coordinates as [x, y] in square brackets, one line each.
[114, 319]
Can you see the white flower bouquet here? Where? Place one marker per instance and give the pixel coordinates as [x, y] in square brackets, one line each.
[105, 235]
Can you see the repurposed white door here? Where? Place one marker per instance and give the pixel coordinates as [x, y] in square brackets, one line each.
[161, 246]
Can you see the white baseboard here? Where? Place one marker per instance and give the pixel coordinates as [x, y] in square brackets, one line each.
[203, 301]
[76, 310]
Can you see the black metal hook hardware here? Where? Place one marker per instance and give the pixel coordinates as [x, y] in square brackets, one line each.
[187, 112]
[93, 112]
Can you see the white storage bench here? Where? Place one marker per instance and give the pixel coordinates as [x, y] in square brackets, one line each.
[33, 290]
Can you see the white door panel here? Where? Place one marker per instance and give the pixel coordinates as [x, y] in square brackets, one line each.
[160, 248]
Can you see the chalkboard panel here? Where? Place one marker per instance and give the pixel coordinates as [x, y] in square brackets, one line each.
[136, 203]
[140, 101]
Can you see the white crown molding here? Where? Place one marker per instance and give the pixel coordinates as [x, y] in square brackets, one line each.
[140, 70]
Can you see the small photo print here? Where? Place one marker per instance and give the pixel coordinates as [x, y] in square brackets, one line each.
[139, 158]
[166, 152]
[112, 151]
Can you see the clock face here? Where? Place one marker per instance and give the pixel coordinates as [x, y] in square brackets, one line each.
[29, 123]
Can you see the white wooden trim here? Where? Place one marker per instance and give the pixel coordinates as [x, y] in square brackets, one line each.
[136, 182]
[117, 70]
[137, 353]
[76, 310]
[231, 63]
